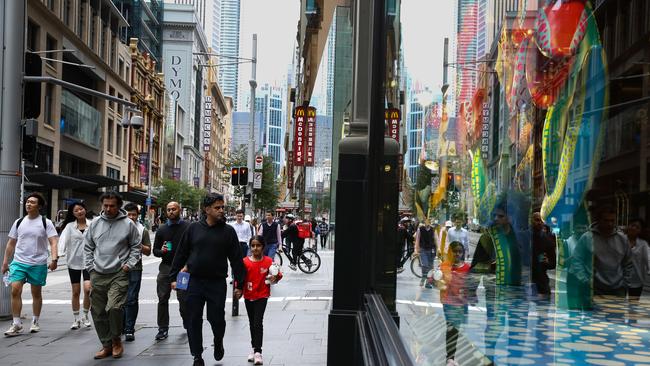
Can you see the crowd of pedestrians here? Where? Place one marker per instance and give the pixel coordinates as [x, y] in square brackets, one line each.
[104, 259]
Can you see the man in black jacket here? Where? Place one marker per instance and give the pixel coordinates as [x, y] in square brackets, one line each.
[167, 240]
[294, 242]
[204, 252]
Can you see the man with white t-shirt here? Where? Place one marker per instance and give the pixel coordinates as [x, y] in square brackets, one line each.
[27, 244]
[244, 231]
[458, 233]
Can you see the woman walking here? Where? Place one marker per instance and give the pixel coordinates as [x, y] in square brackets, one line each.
[72, 246]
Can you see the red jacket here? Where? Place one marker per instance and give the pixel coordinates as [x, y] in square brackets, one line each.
[256, 272]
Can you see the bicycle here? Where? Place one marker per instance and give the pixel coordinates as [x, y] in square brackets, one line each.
[308, 262]
[415, 266]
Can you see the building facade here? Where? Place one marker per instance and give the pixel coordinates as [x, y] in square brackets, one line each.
[185, 61]
[226, 45]
[79, 148]
[145, 19]
[271, 101]
[147, 142]
[218, 109]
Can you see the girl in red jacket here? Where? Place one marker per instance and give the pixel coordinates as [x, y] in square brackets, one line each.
[260, 274]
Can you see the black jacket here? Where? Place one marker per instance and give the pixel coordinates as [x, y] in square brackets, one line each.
[291, 234]
[167, 233]
[206, 250]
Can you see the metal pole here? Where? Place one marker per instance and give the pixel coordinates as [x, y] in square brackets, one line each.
[251, 133]
[11, 72]
[149, 168]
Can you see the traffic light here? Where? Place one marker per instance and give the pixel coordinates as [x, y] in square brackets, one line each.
[450, 180]
[234, 176]
[247, 198]
[32, 97]
[459, 181]
[243, 176]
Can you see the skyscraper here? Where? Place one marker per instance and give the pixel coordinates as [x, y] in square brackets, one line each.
[225, 42]
[466, 40]
[331, 47]
[270, 102]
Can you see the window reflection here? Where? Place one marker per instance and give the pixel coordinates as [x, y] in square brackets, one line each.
[548, 136]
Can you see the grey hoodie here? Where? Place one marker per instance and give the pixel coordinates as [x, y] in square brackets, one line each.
[111, 243]
[612, 264]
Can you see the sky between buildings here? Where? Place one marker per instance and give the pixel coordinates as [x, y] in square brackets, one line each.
[425, 23]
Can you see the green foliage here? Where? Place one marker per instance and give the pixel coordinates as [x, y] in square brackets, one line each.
[266, 197]
[187, 195]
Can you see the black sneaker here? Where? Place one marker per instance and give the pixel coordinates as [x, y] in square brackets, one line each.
[129, 337]
[162, 334]
[198, 361]
[218, 349]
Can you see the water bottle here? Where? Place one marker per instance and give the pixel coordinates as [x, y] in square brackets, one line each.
[5, 279]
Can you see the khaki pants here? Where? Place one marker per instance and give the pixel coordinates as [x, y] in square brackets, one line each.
[107, 300]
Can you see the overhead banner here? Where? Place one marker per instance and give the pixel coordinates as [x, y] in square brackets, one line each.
[144, 167]
[392, 117]
[310, 138]
[299, 136]
[207, 122]
[290, 171]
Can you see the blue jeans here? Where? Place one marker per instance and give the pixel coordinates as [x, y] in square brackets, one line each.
[131, 305]
[426, 261]
[270, 249]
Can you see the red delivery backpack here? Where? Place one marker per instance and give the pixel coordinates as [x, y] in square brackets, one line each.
[304, 229]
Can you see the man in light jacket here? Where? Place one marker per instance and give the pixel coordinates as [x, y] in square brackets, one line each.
[112, 248]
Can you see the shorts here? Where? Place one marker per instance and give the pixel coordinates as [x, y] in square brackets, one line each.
[75, 275]
[32, 274]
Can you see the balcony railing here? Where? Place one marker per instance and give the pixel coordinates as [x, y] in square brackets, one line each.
[80, 120]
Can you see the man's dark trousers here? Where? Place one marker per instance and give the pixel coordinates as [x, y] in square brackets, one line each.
[163, 288]
[199, 293]
[131, 306]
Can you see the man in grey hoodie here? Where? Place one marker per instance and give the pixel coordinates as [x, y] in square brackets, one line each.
[112, 248]
[609, 253]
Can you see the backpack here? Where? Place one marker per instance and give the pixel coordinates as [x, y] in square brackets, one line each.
[304, 229]
[20, 220]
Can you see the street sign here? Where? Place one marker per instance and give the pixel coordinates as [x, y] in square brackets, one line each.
[148, 201]
[257, 180]
[259, 162]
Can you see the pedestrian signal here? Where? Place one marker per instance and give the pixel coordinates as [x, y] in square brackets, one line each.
[243, 176]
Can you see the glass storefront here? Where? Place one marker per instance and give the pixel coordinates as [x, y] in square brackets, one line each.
[525, 239]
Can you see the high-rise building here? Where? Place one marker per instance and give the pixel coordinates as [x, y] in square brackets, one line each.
[270, 102]
[145, 19]
[225, 42]
[240, 129]
[466, 12]
[331, 48]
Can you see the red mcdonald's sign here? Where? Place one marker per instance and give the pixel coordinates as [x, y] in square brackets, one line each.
[299, 137]
[392, 117]
[310, 137]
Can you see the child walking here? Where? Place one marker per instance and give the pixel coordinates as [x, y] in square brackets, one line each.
[257, 290]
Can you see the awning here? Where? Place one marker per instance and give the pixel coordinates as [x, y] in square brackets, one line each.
[101, 180]
[135, 196]
[56, 181]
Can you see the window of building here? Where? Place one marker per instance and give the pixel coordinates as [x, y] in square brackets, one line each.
[50, 45]
[102, 41]
[50, 5]
[32, 35]
[120, 68]
[48, 115]
[81, 24]
[109, 140]
[111, 91]
[92, 42]
[67, 12]
[118, 141]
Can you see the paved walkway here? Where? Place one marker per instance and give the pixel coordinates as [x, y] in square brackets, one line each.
[295, 327]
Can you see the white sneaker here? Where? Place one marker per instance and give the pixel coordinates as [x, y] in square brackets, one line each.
[14, 330]
[251, 356]
[292, 266]
[76, 324]
[86, 322]
[452, 362]
[35, 328]
[258, 359]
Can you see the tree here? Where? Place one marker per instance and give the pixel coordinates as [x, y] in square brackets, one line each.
[188, 196]
[267, 197]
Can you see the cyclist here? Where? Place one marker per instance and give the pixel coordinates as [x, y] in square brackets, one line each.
[404, 244]
[294, 242]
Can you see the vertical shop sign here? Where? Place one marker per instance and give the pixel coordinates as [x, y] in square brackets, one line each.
[299, 137]
[310, 137]
[485, 129]
[392, 117]
[207, 122]
[290, 170]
